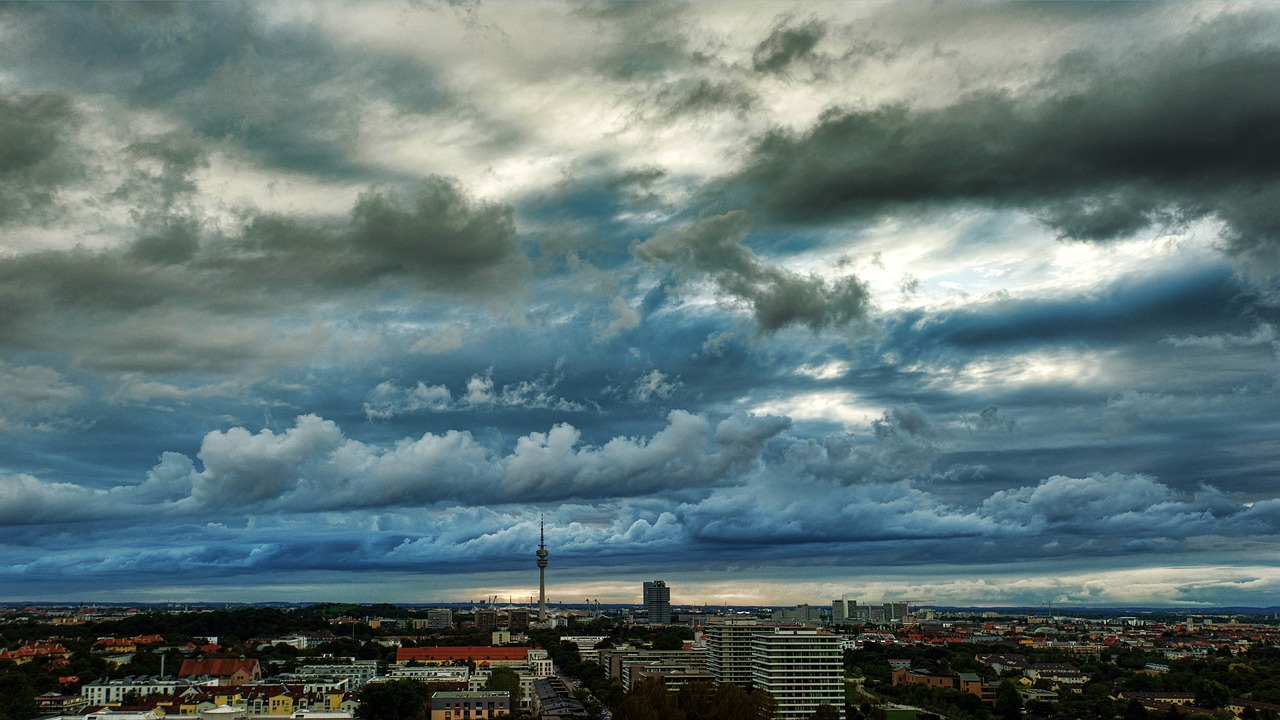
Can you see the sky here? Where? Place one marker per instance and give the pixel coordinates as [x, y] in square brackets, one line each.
[958, 303]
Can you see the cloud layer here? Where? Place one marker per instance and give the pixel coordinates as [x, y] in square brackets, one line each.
[970, 303]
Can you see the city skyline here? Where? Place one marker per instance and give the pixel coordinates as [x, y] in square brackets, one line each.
[973, 303]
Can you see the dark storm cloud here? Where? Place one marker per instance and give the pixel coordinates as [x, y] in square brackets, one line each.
[282, 91]
[712, 246]
[33, 129]
[750, 503]
[787, 43]
[434, 239]
[437, 232]
[1138, 310]
[1097, 152]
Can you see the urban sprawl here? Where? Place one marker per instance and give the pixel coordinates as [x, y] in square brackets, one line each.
[851, 658]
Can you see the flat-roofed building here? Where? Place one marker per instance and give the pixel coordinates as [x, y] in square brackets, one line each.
[800, 668]
[657, 602]
[469, 705]
[729, 648]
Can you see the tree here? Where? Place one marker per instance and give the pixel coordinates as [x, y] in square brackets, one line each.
[649, 700]
[17, 698]
[825, 712]
[1008, 701]
[1134, 711]
[667, 641]
[503, 678]
[396, 700]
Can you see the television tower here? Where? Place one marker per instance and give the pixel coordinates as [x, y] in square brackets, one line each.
[542, 571]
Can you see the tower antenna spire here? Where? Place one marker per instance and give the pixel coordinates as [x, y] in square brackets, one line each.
[542, 569]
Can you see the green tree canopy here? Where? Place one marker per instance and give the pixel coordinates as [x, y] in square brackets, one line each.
[502, 678]
[395, 700]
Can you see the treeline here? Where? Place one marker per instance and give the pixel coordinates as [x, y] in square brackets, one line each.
[229, 626]
[1254, 675]
[650, 699]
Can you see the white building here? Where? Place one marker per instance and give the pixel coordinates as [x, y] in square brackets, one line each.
[357, 672]
[800, 668]
[112, 692]
[729, 648]
[586, 645]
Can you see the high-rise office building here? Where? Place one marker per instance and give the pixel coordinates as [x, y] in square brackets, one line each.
[849, 611]
[657, 602]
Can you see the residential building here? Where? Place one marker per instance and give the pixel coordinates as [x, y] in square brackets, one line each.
[518, 620]
[801, 668]
[481, 655]
[487, 619]
[673, 675]
[358, 672]
[586, 645]
[729, 648]
[112, 692]
[554, 700]
[964, 682]
[618, 662]
[469, 705]
[439, 618]
[229, 671]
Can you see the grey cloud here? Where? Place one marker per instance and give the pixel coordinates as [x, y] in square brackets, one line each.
[181, 272]
[173, 243]
[712, 246]
[909, 419]
[161, 170]
[24, 500]
[437, 232]
[1130, 506]
[1263, 334]
[314, 466]
[36, 396]
[695, 95]
[1097, 152]
[990, 419]
[787, 43]
[388, 400]
[34, 130]
[283, 92]
[646, 39]
[243, 468]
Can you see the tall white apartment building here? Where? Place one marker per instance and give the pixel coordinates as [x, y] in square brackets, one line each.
[729, 648]
[800, 668]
